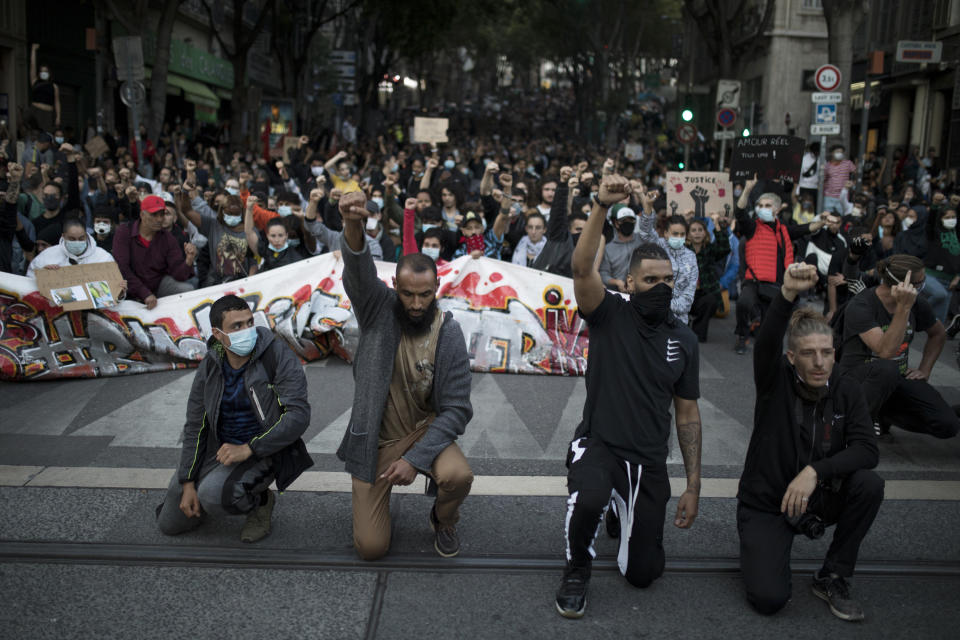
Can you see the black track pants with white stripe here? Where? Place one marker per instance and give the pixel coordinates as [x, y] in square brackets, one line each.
[640, 494]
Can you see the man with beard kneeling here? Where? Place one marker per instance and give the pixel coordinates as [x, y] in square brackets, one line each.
[412, 397]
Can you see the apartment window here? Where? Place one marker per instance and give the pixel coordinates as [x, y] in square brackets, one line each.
[812, 5]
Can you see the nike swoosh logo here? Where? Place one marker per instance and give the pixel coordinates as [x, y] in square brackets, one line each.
[669, 341]
[672, 359]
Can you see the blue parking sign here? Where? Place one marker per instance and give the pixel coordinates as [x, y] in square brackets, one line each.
[826, 113]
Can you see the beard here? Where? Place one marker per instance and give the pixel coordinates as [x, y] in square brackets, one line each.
[411, 325]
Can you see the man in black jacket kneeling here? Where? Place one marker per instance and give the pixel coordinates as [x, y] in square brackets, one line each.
[808, 463]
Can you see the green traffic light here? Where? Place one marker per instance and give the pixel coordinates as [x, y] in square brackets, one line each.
[746, 133]
[680, 165]
[687, 115]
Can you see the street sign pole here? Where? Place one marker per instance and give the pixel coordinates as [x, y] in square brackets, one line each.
[864, 123]
[820, 171]
[723, 152]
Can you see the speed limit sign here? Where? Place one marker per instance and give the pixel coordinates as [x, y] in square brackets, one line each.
[827, 78]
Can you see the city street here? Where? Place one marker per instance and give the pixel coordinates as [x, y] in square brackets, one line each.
[84, 463]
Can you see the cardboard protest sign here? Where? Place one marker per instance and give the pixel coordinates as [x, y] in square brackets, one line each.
[289, 142]
[701, 192]
[96, 147]
[432, 130]
[633, 151]
[81, 286]
[770, 157]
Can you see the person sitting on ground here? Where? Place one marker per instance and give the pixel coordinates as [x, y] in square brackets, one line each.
[878, 325]
[76, 247]
[809, 459]
[684, 261]
[104, 224]
[150, 258]
[231, 256]
[412, 397]
[276, 251]
[246, 414]
[711, 257]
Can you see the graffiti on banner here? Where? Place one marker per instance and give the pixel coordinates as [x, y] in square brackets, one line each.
[514, 320]
[704, 193]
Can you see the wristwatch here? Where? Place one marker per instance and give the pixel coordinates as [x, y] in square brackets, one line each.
[597, 202]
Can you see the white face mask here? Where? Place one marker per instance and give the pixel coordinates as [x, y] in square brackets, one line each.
[838, 155]
[44, 75]
[103, 228]
[950, 223]
[316, 171]
[432, 252]
[907, 223]
[856, 212]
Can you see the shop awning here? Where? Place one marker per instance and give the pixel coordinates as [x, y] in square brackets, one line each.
[193, 91]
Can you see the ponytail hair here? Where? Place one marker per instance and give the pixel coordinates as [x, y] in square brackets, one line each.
[805, 322]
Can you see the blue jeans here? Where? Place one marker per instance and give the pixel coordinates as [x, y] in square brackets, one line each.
[833, 204]
[936, 293]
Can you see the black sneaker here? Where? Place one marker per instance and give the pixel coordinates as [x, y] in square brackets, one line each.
[835, 591]
[445, 539]
[741, 347]
[613, 523]
[953, 328]
[881, 429]
[572, 594]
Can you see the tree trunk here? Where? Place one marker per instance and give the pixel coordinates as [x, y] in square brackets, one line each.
[238, 106]
[161, 62]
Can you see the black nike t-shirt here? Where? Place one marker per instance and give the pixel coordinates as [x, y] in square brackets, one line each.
[633, 374]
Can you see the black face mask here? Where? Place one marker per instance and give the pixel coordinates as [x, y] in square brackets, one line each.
[653, 304]
[626, 229]
[51, 203]
[575, 237]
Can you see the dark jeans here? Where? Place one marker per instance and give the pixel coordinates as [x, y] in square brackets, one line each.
[753, 302]
[640, 494]
[703, 307]
[913, 405]
[766, 539]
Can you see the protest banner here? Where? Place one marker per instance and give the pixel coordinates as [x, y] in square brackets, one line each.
[701, 192]
[633, 151]
[81, 286]
[769, 157]
[431, 130]
[514, 319]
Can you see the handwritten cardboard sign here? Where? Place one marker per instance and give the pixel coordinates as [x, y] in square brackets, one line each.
[96, 147]
[82, 286]
[432, 130]
[701, 192]
[770, 157]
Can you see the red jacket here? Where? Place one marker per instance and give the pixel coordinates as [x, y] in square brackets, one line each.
[762, 250]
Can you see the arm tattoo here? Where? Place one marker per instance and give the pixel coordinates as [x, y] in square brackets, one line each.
[689, 436]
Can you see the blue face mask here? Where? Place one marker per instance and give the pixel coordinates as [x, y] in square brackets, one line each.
[232, 191]
[280, 249]
[284, 210]
[426, 227]
[76, 247]
[232, 221]
[764, 214]
[294, 242]
[449, 165]
[675, 242]
[58, 139]
[378, 202]
[243, 341]
[395, 168]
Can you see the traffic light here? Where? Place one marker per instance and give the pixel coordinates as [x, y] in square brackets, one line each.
[687, 115]
[746, 132]
[681, 166]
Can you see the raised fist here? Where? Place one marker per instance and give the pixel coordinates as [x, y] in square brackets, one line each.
[565, 173]
[14, 172]
[336, 194]
[315, 195]
[506, 180]
[279, 165]
[410, 203]
[608, 166]
[432, 164]
[800, 277]
[353, 206]
[492, 167]
[613, 189]
[190, 166]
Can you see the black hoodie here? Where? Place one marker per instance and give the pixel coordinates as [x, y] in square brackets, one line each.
[780, 447]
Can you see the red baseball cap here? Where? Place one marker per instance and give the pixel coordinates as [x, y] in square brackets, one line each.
[152, 204]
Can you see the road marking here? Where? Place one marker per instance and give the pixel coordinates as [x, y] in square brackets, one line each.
[340, 482]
